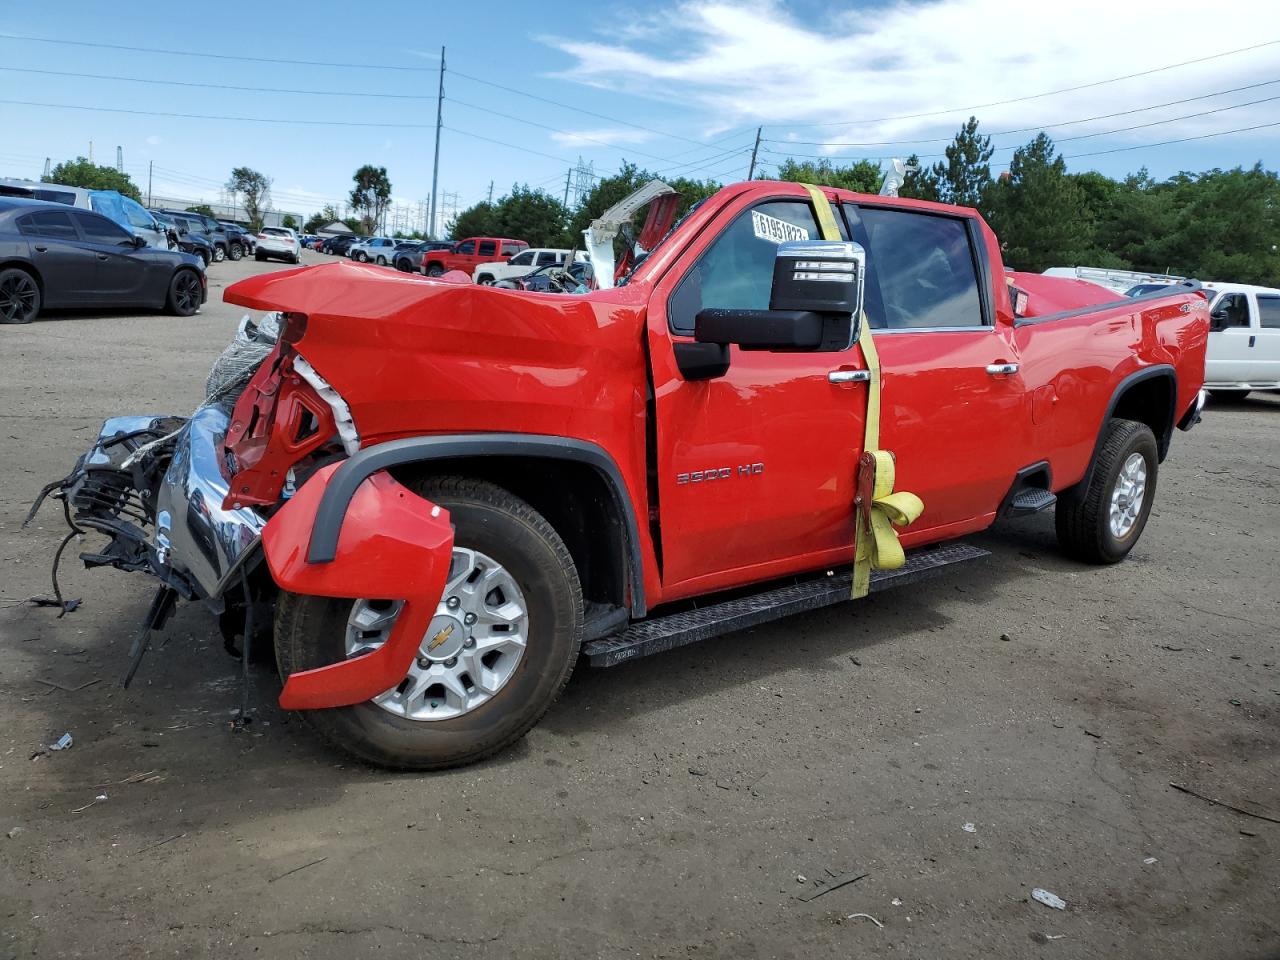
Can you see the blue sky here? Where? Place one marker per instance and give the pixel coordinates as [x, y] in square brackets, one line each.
[676, 87]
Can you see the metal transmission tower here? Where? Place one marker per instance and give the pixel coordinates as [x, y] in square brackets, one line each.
[583, 179]
[48, 168]
[120, 159]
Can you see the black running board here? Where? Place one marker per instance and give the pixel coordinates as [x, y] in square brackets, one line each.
[678, 629]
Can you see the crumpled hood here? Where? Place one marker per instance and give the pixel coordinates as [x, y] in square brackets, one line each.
[412, 355]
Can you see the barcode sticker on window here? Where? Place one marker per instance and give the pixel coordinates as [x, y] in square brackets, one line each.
[775, 230]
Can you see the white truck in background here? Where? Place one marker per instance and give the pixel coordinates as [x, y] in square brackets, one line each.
[524, 262]
[1244, 339]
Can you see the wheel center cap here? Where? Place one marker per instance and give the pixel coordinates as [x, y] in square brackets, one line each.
[444, 638]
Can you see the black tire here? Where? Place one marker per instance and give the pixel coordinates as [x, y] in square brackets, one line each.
[1231, 396]
[1083, 512]
[260, 256]
[296, 258]
[362, 256]
[381, 261]
[219, 254]
[485, 280]
[435, 270]
[19, 296]
[310, 632]
[184, 293]
[205, 257]
[404, 266]
[237, 251]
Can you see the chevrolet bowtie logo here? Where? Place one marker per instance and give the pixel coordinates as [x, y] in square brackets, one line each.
[440, 637]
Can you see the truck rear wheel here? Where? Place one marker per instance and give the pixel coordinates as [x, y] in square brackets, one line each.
[1100, 521]
[514, 597]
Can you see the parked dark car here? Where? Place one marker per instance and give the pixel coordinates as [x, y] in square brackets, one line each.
[52, 255]
[418, 248]
[213, 231]
[340, 245]
[237, 234]
[181, 237]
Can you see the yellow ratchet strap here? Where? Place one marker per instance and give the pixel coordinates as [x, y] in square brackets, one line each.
[877, 508]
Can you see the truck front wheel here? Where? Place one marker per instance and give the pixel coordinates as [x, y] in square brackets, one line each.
[514, 603]
[1100, 521]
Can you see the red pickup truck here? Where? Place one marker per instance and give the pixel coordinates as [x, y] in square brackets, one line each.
[468, 254]
[440, 508]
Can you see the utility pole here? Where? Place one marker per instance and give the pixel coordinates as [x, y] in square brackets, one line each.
[435, 169]
[752, 171]
[150, 166]
[566, 186]
[48, 163]
[490, 200]
[120, 159]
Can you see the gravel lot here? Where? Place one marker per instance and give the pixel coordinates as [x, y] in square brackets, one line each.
[1012, 725]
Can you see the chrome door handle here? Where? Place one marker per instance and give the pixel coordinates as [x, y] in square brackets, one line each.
[849, 376]
[42, 249]
[1001, 369]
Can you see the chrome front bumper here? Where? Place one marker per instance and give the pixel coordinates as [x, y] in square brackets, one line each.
[173, 527]
[194, 535]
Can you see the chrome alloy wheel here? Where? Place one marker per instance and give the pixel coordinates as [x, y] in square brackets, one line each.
[470, 650]
[1127, 494]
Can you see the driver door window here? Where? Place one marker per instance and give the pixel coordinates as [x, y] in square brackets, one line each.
[1231, 311]
[736, 271]
[467, 249]
[522, 260]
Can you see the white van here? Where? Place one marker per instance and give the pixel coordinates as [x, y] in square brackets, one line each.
[1244, 339]
[112, 204]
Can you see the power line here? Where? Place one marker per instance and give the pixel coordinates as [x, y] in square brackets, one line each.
[209, 116]
[214, 56]
[218, 86]
[1041, 126]
[1083, 136]
[577, 109]
[1166, 143]
[1047, 93]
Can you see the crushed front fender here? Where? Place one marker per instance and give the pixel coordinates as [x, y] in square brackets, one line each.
[392, 545]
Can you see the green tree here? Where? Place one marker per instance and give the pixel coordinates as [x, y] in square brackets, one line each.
[480, 220]
[203, 208]
[1037, 211]
[920, 183]
[322, 219]
[967, 171]
[1225, 226]
[860, 176]
[254, 189]
[81, 173]
[290, 221]
[371, 196]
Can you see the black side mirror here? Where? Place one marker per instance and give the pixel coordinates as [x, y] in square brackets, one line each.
[1218, 320]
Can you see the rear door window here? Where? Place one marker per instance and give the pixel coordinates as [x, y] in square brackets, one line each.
[49, 223]
[488, 248]
[1269, 310]
[922, 269]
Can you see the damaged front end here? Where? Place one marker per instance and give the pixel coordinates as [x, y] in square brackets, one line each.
[153, 485]
[198, 502]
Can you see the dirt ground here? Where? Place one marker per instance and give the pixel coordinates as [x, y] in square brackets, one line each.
[1012, 725]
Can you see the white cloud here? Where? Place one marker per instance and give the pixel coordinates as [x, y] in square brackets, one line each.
[754, 62]
[595, 138]
[154, 141]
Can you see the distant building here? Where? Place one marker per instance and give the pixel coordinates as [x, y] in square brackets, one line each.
[335, 229]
